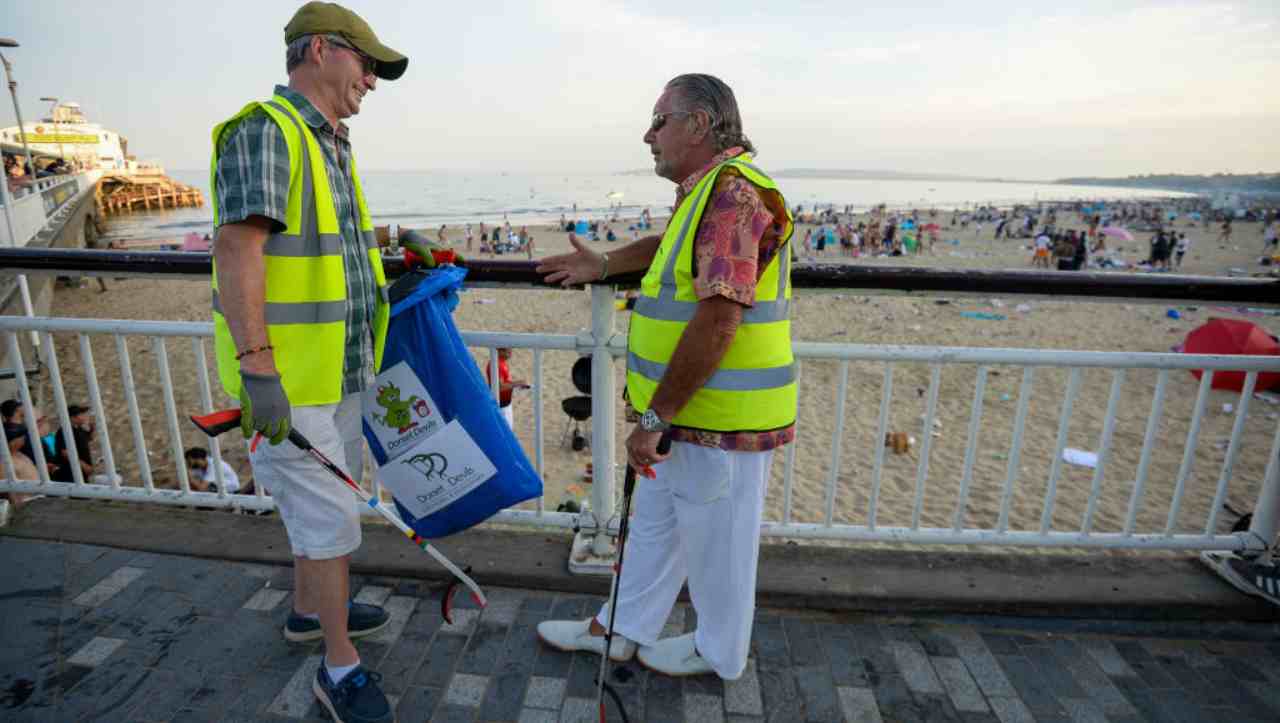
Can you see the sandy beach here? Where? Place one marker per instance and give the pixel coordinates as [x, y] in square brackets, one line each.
[846, 317]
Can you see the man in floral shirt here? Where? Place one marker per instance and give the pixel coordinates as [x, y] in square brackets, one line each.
[726, 398]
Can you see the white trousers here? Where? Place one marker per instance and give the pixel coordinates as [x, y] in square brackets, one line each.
[698, 520]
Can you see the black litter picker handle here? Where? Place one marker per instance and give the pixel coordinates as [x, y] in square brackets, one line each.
[628, 487]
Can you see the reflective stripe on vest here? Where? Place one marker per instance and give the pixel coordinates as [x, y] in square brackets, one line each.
[305, 308]
[754, 389]
[315, 312]
[731, 380]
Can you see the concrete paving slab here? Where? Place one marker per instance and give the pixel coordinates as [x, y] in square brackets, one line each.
[296, 698]
[118, 580]
[94, 652]
[265, 600]
[742, 696]
[859, 705]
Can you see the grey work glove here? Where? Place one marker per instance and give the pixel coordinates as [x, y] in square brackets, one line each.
[264, 407]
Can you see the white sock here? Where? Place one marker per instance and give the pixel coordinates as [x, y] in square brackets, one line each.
[338, 672]
[312, 616]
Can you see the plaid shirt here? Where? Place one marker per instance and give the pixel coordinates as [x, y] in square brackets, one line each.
[253, 180]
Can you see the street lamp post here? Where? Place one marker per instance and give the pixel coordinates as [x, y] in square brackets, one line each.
[17, 111]
[25, 290]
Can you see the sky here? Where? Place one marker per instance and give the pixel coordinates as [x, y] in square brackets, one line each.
[1026, 90]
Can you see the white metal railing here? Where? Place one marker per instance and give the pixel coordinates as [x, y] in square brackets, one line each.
[32, 210]
[847, 475]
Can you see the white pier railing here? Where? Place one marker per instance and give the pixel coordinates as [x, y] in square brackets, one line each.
[854, 505]
[40, 201]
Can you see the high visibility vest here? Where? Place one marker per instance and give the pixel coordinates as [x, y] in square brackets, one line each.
[306, 287]
[754, 388]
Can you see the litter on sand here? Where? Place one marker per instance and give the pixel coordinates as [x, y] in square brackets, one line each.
[1247, 311]
[1080, 457]
[1228, 408]
[986, 315]
[1022, 308]
[899, 442]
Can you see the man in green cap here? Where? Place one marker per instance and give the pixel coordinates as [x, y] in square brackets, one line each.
[300, 315]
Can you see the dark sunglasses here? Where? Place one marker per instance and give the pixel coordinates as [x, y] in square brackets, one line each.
[369, 65]
[660, 119]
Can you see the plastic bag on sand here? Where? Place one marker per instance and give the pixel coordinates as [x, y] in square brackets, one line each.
[1079, 457]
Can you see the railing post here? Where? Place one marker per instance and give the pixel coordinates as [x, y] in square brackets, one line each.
[1266, 516]
[603, 401]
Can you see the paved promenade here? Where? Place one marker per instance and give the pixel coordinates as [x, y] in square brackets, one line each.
[92, 633]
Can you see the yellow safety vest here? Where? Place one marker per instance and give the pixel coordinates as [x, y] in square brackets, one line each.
[754, 389]
[306, 287]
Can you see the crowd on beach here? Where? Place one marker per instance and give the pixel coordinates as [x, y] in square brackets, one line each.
[503, 239]
[1063, 236]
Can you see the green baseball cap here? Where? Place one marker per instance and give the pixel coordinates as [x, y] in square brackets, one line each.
[318, 18]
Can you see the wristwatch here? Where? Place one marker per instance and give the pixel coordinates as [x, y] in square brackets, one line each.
[651, 422]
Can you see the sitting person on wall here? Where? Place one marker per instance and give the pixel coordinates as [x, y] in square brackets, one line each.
[23, 467]
[204, 478]
[82, 433]
[15, 423]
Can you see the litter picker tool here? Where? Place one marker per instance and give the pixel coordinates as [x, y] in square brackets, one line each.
[628, 487]
[216, 423]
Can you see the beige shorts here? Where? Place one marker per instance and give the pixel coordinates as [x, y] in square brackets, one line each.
[320, 513]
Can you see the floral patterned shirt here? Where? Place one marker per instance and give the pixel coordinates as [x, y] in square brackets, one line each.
[739, 234]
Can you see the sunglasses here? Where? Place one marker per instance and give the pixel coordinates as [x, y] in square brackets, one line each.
[369, 65]
[660, 119]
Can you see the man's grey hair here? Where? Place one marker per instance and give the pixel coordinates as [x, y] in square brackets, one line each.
[708, 93]
[296, 53]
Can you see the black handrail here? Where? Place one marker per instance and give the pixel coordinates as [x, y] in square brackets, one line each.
[851, 277]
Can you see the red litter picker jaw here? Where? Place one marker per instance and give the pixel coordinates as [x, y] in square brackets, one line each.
[216, 423]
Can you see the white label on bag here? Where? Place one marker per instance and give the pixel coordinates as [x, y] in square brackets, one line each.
[400, 411]
[437, 471]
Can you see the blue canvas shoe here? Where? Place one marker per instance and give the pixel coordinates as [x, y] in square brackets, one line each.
[357, 698]
[362, 620]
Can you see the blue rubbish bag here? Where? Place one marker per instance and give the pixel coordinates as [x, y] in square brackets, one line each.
[442, 446]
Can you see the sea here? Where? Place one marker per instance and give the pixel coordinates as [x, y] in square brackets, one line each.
[427, 199]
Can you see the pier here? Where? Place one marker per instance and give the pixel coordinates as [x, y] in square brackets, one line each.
[120, 193]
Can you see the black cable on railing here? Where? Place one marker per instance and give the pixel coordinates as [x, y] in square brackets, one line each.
[853, 277]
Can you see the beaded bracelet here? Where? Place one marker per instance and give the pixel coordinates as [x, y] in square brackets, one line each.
[255, 350]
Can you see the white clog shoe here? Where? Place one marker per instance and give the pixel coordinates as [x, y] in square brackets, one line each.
[674, 656]
[571, 635]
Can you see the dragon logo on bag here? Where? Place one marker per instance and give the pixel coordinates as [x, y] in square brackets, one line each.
[399, 413]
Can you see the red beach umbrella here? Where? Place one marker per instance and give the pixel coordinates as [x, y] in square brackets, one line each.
[1232, 336]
